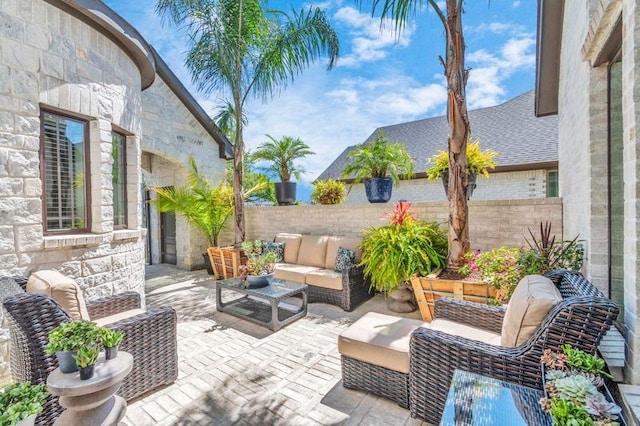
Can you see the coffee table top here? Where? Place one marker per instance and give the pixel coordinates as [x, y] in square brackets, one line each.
[277, 289]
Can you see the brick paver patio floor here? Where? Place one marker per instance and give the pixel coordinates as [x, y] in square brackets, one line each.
[233, 372]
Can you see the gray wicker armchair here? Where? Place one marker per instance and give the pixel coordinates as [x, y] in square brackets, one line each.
[150, 337]
[580, 319]
[355, 290]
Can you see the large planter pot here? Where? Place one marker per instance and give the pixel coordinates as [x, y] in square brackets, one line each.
[378, 190]
[258, 281]
[225, 261]
[429, 289]
[207, 263]
[401, 300]
[285, 193]
[470, 187]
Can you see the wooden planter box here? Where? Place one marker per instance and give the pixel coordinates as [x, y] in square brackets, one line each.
[429, 289]
[225, 261]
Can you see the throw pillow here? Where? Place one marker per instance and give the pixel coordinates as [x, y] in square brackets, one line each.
[344, 259]
[277, 248]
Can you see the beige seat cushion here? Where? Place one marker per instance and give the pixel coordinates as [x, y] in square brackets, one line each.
[291, 246]
[296, 273]
[325, 278]
[351, 243]
[118, 317]
[379, 339]
[62, 289]
[466, 331]
[532, 299]
[313, 250]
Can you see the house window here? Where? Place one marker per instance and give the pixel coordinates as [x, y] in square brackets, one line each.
[552, 183]
[63, 148]
[119, 180]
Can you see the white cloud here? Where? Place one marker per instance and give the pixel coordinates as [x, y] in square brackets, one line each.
[370, 40]
[498, 28]
[516, 4]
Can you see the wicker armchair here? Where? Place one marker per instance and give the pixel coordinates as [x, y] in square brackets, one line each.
[580, 319]
[150, 337]
[355, 290]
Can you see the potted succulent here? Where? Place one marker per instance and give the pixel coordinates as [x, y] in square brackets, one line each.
[258, 270]
[86, 358]
[281, 155]
[20, 403]
[110, 340]
[67, 338]
[329, 191]
[478, 163]
[393, 253]
[380, 164]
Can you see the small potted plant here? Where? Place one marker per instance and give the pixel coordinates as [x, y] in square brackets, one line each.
[258, 270]
[67, 338]
[478, 163]
[20, 403]
[86, 358]
[329, 191]
[110, 340]
[380, 164]
[281, 155]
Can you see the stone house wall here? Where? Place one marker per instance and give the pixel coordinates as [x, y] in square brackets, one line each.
[506, 185]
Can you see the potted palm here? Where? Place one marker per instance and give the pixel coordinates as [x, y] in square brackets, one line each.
[393, 253]
[20, 403]
[380, 164]
[478, 163]
[281, 154]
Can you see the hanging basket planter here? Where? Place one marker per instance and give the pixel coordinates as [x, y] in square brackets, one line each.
[470, 187]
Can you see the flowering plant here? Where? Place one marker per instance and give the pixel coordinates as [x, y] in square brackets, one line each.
[573, 382]
[258, 263]
[498, 267]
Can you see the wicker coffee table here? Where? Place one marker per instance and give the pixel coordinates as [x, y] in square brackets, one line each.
[273, 306]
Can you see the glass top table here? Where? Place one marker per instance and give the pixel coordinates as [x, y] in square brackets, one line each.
[476, 400]
[273, 306]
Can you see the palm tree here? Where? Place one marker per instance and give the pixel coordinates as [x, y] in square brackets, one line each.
[458, 117]
[243, 50]
[281, 153]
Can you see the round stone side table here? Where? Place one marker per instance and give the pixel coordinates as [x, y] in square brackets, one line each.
[92, 402]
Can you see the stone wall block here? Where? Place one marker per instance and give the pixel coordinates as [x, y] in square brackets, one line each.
[29, 238]
[23, 164]
[96, 266]
[11, 27]
[7, 240]
[24, 84]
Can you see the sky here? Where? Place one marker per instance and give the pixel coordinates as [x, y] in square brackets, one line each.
[381, 78]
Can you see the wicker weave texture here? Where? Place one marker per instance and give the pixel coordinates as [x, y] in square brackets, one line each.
[580, 319]
[151, 338]
[381, 381]
[355, 291]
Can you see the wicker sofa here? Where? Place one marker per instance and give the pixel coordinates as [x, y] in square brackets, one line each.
[471, 337]
[150, 336]
[311, 260]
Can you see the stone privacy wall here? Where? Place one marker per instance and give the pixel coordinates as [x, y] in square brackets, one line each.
[507, 185]
[492, 223]
[49, 59]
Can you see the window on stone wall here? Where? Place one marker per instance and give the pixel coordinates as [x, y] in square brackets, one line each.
[119, 180]
[64, 153]
[552, 183]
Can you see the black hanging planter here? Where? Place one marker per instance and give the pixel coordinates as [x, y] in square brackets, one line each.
[470, 187]
[378, 189]
[285, 193]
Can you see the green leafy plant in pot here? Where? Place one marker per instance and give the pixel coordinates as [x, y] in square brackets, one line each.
[281, 154]
[69, 337]
[479, 162]
[110, 340]
[329, 191]
[393, 253]
[86, 358]
[380, 164]
[21, 402]
[260, 265]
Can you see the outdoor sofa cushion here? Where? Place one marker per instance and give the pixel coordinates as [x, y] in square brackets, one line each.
[292, 272]
[532, 299]
[324, 278]
[291, 246]
[313, 250]
[351, 243]
[62, 289]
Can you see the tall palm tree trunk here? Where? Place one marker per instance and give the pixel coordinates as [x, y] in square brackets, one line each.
[459, 127]
[238, 175]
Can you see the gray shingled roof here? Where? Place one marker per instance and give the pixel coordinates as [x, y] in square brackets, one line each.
[511, 128]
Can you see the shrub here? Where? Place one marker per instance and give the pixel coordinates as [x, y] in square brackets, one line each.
[329, 191]
[478, 162]
[20, 400]
[499, 267]
[72, 335]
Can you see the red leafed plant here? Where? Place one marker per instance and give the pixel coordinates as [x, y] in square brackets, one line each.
[400, 214]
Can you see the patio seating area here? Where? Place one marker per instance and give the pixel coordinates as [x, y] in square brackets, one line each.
[234, 372]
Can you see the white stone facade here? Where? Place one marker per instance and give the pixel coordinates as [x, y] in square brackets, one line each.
[498, 186]
[583, 146]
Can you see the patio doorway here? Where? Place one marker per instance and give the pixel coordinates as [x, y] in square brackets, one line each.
[168, 238]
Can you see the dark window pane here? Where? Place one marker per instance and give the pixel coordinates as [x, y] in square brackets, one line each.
[119, 180]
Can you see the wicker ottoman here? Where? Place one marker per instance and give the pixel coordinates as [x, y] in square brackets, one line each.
[375, 355]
